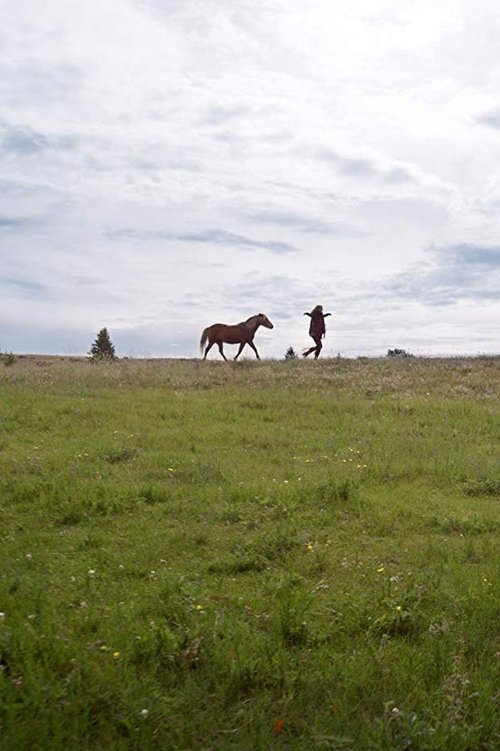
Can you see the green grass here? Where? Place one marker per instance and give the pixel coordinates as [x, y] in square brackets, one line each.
[263, 556]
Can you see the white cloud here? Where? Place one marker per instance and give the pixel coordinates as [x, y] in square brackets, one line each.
[166, 164]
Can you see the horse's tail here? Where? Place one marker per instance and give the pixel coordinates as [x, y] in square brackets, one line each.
[204, 338]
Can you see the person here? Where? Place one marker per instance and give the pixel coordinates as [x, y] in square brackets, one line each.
[317, 330]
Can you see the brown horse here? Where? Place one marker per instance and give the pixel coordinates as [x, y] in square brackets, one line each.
[241, 333]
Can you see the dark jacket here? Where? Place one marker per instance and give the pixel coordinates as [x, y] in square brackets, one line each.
[317, 327]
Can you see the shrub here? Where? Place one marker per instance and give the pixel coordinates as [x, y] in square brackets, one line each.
[7, 358]
[398, 353]
[290, 354]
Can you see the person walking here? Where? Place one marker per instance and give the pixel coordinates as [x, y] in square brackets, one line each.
[317, 330]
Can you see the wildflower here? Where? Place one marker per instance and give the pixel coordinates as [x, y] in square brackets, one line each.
[310, 546]
[116, 655]
[170, 469]
[91, 573]
[192, 652]
[29, 556]
[144, 713]
[2, 617]
[31, 617]
[285, 482]
[278, 726]
[398, 608]
[199, 607]
[380, 569]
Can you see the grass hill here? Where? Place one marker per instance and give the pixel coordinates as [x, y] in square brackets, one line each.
[274, 555]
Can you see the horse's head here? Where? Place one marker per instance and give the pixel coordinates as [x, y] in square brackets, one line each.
[264, 321]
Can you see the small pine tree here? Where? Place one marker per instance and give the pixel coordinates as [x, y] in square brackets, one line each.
[290, 354]
[102, 348]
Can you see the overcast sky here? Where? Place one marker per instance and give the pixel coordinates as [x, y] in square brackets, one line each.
[165, 164]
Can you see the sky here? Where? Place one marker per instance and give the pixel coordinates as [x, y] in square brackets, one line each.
[167, 164]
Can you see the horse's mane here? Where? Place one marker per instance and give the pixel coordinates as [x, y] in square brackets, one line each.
[252, 318]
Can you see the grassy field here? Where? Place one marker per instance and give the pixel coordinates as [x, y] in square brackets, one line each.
[276, 555]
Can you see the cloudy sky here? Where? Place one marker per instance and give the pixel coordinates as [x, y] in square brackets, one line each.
[165, 164]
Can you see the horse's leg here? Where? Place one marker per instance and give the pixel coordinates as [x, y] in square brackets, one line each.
[219, 344]
[239, 351]
[308, 351]
[254, 349]
[319, 347]
[209, 346]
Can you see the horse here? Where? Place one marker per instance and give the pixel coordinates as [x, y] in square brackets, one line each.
[240, 333]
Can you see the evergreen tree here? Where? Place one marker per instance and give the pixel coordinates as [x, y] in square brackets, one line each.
[102, 348]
